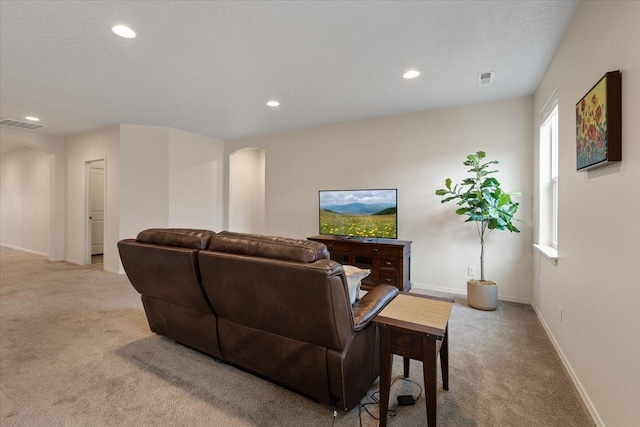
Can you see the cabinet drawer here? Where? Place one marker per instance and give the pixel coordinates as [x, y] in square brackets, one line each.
[387, 263]
[338, 246]
[389, 252]
[388, 279]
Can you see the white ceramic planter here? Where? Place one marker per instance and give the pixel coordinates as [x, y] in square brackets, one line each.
[483, 296]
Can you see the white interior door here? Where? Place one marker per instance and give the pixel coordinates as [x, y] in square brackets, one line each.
[96, 206]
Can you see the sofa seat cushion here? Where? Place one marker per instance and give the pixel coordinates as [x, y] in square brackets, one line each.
[283, 248]
[180, 237]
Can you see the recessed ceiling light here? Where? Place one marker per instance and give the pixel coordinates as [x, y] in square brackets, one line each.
[124, 31]
[33, 119]
[273, 103]
[411, 74]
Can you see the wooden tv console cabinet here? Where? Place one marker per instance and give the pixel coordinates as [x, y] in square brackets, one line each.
[388, 259]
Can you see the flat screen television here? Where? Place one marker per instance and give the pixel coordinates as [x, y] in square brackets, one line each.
[359, 213]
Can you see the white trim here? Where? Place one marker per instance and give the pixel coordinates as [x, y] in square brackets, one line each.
[18, 248]
[576, 382]
[513, 299]
[549, 253]
[87, 206]
[464, 293]
[113, 270]
[437, 288]
[549, 106]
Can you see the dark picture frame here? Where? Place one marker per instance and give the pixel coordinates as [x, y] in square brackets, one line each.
[599, 124]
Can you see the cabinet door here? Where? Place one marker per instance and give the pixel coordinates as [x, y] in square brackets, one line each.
[340, 256]
[339, 251]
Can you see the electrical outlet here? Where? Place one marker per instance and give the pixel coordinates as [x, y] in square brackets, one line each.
[560, 313]
[471, 270]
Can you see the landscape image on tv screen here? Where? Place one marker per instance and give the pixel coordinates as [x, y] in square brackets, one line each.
[359, 213]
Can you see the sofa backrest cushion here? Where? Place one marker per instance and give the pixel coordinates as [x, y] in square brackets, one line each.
[168, 273]
[180, 237]
[268, 247]
[308, 302]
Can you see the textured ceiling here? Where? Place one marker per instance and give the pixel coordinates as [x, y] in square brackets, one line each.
[210, 67]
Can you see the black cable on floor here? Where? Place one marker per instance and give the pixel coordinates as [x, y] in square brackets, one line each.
[375, 400]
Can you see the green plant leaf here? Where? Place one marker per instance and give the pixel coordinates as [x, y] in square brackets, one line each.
[504, 199]
[468, 181]
[441, 192]
[447, 183]
[490, 182]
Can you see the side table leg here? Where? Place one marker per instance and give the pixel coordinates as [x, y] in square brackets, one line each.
[444, 360]
[385, 373]
[429, 357]
[406, 367]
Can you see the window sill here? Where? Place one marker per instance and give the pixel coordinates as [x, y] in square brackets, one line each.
[550, 253]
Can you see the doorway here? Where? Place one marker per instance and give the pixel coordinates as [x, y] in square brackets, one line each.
[96, 174]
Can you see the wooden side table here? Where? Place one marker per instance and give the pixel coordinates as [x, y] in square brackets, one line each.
[414, 327]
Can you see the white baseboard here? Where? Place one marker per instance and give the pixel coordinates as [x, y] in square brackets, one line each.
[56, 259]
[18, 248]
[436, 288]
[572, 374]
[73, 261]
[113, 270]
[464, 292]
[512, 299]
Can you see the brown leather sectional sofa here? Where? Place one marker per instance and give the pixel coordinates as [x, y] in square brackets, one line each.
[274, 306]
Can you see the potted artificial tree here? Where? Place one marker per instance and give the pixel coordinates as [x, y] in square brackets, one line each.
[482, 200]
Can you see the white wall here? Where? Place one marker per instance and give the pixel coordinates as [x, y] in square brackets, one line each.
[170, 178]
[597, 279]
[413, 153]
[144, 195]
[54, 147]
[80, 149]
[247, 191]
[24, 191]
[195, 181]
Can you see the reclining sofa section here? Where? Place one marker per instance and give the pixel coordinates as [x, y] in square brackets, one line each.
[275, 306]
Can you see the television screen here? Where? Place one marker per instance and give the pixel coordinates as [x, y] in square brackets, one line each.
[359, 213]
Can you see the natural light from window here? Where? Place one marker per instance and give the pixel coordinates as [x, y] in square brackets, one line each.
[548, 173]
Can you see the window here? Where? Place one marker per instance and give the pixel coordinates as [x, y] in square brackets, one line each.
[552, 124]
[548, 175]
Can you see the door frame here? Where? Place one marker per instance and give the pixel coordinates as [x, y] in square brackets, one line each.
[87, 206]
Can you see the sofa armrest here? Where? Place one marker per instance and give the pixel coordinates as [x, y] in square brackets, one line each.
[371, 304]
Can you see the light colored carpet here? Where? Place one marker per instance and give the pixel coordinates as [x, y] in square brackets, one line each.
[76, 350]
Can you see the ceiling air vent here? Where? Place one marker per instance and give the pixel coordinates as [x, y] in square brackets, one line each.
[484, 78]
[20, 124]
